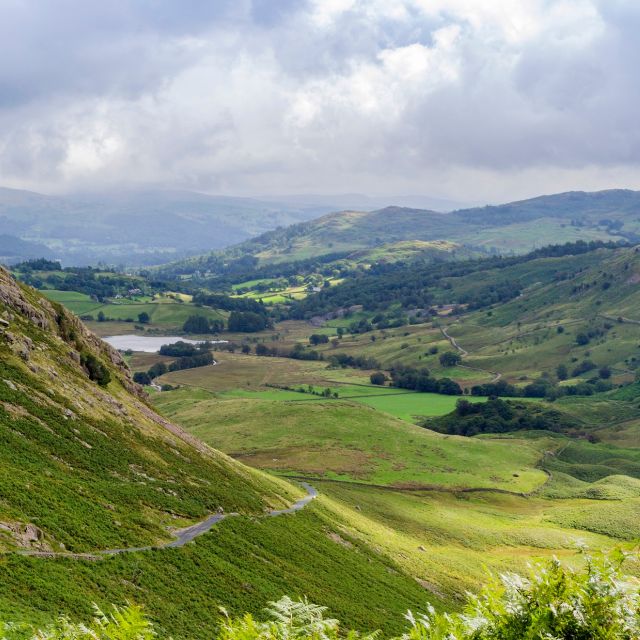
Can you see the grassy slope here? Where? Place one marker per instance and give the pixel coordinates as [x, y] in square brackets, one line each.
[344, 441]
[241, 564]
[446, 539]
[520, 338]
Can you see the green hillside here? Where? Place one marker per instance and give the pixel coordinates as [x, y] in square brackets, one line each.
[85, 459]
[516, 227]
[405, 516]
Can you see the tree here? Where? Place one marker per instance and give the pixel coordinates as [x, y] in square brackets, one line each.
[318, 338]
[561, 372]
[247, 322]
[95, 369]
[101, 316]
[450, 358]
[158, 369]
[144, 318]
[246, 348]
[196, 324]
[604, 372]
[582, 339]
[378, 378]
[142, 377]
[262, 349]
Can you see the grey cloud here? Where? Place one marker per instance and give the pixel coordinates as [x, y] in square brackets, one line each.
[257, 96]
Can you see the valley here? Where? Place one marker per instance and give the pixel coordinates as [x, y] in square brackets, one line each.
[450, 414]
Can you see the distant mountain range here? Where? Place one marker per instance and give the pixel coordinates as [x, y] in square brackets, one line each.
[144, 227]
[139, 227]
[516, 227]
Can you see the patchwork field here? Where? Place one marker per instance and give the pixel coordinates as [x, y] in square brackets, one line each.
[247, 376]
[164, 312]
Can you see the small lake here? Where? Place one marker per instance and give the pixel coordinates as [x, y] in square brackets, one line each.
[148, 344]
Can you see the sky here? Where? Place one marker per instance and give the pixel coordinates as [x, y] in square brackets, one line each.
[472, 100]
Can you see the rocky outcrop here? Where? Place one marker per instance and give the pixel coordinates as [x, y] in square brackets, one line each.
[25, 536]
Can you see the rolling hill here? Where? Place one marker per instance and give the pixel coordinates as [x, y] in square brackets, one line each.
[517, 227]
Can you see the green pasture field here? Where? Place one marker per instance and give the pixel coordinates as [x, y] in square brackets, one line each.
[345, 440]
[163, 311]
[406, 405]
[247, 376]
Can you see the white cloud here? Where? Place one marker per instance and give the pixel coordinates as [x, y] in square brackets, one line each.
[458, 98]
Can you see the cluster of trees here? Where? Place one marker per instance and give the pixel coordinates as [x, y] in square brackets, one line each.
[450, 358]
[199, 359]
[499, 416]
[182, 349]
[297, 353]
[38, 264]
[201, 325]
[543, 388]
[248, 322]
[247, 316]
[421, 380]
[344, 360]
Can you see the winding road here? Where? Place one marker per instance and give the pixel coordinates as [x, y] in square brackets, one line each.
[182, 536]
[463, 352]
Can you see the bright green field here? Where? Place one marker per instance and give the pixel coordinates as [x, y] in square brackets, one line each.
[406, 405]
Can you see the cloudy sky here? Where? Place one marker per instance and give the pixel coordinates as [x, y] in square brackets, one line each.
[467, 99]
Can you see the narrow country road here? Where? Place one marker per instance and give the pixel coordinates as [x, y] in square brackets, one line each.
[453, 342]
[463, 352]
[182, 536]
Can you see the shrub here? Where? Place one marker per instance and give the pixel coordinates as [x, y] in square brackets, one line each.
[450, 359]
[378, 378]
[142, 377]
[604, 372]
[551, 602]
[95, 369]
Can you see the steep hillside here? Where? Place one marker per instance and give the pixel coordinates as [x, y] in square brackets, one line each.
[516, 227]
[85, 464]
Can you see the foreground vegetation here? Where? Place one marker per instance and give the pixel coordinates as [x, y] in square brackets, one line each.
[553, 601]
